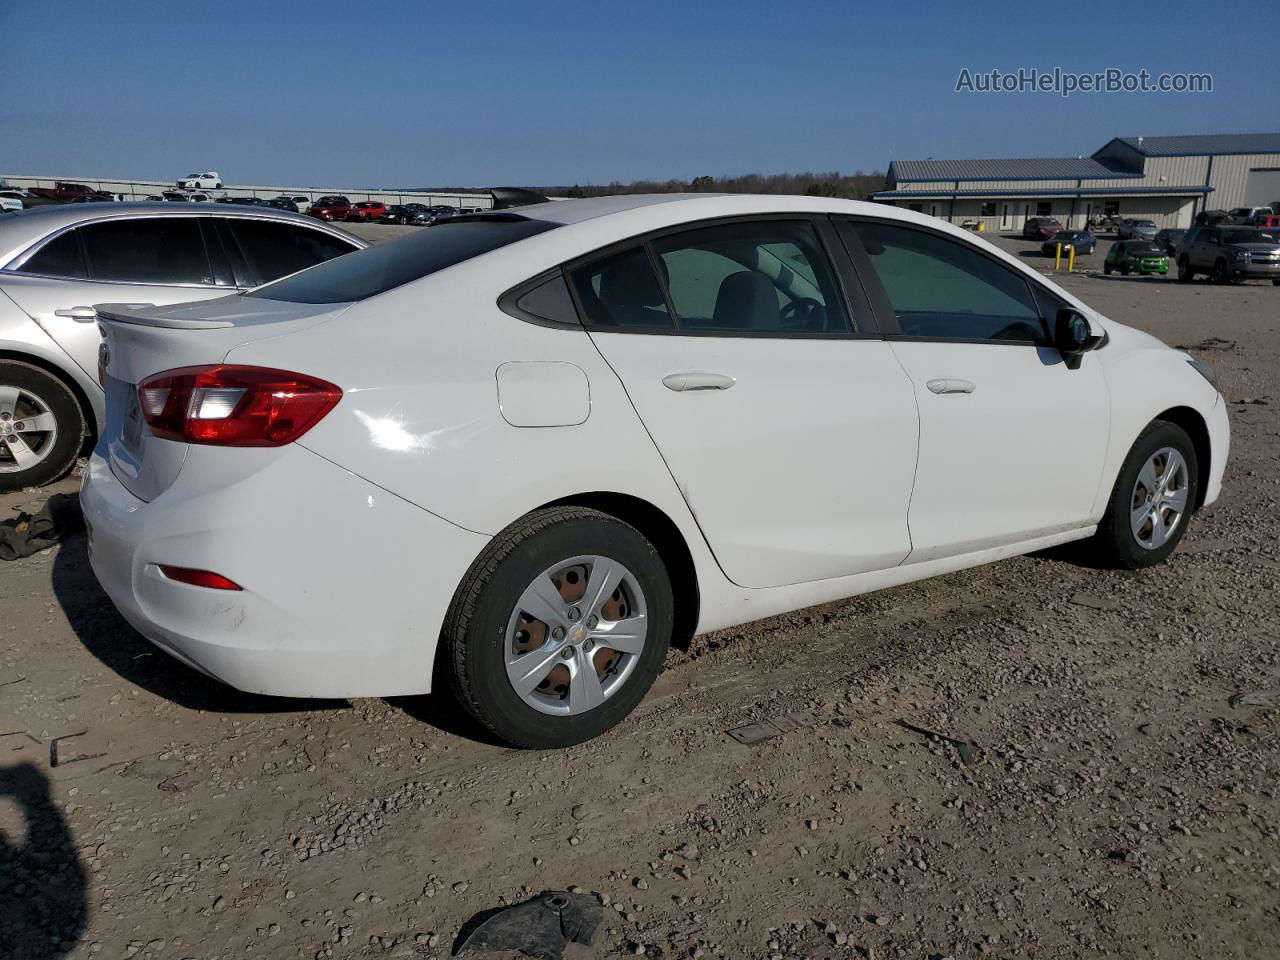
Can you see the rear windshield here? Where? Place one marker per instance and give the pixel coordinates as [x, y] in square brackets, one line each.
[369, 272]
[1145, 249]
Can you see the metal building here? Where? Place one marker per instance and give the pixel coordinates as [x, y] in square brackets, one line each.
[1165, 179]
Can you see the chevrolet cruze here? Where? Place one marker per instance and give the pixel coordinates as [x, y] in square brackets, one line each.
[543, 442]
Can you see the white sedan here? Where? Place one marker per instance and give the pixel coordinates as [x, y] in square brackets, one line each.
[541, 443]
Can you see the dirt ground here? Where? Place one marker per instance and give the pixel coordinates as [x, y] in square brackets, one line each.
[1109, 788]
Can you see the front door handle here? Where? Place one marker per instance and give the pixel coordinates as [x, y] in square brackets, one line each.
[78, 314]
[951, 385]
[697, 380]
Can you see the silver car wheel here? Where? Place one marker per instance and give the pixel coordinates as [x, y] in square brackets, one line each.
[1159, 500]
[28, 429]
[575, 635]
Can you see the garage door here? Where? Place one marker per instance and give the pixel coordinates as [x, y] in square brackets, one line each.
[1262, 187]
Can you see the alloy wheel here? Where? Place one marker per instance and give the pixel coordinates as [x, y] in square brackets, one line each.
[28, 429]
[575, 635]
[1159, 500]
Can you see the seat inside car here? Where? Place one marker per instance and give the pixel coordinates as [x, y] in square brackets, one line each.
[747, 300]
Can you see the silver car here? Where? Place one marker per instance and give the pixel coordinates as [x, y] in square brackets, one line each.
[57, 261]
[1130, 229]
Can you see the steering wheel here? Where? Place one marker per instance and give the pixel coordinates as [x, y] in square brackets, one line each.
[801, 312]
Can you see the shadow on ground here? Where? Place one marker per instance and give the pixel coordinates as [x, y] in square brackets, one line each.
[43, 886]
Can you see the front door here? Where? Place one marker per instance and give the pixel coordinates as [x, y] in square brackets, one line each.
[1011, 441]
[792, 440]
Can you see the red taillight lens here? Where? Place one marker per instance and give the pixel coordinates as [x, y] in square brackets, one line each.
[234, 406]
[198, 578]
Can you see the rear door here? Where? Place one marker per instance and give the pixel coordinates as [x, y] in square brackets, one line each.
[791, 432]
[159, 260]
[1011, 441]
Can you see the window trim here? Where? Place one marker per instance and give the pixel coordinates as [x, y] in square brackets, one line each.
[848, 287]
[509, 300]
[883, 306]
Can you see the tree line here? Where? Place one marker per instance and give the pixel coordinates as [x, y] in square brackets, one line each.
[854, 186]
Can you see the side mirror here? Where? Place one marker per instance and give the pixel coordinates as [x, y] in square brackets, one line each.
[1073, 336]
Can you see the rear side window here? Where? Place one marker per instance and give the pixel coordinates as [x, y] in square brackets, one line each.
[369, 272]
[275, 250]
[941, 289]
[60, 257]
[621, 290]
[769, 277]
[168, 250]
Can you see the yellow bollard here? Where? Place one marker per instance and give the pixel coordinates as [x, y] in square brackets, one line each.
[1071, 258]
[1057, 256]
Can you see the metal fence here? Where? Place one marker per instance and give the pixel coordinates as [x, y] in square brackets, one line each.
[141, 189]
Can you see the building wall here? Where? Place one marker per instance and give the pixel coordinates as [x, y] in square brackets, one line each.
[1012, 212]
[1230, 175]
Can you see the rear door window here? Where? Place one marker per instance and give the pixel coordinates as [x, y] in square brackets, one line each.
[273, 250]
[60, 257]
[164, 250]
[374, 270]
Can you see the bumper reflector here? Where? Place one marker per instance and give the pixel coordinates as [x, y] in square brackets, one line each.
[198, 578]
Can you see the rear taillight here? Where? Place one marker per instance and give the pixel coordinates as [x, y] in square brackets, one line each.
[234, 406]
[198, 578]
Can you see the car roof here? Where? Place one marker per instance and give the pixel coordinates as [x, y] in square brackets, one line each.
[21, 229]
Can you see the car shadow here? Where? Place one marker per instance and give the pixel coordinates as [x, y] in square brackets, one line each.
[43, 884]
[110, 638]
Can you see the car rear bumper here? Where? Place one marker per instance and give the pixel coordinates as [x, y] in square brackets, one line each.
[345, 586]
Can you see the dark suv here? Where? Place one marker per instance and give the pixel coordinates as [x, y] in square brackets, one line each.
[1229, 253]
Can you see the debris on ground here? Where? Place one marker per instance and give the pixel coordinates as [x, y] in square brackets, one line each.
[29, 533]
[541, 927]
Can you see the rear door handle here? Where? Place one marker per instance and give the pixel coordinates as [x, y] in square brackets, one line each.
[951, 385]
[697, 380]
[78, 314]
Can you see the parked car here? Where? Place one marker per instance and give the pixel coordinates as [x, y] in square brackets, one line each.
[442, 211]
[1270, 221]
[367, 210]
[63, 192]
[10, 200]
[186, 196]
[1133, 229]
[331, 208]
[1248, 215]
[281, 203]
[245, 201]
[201, 181]
[1210, 218]
[1169, 239]
[1040, 228]
[1228, 253]
[297, 200]
[840, 464]
[57, 261]
[1083, 241]
[92, 198]
[1136, 256]
[406, 213]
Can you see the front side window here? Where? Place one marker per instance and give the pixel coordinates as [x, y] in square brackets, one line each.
[770, 277]
[60, 257]
[621, 291]
[939, 288]
[275, 250]
[167, 250]
[374, 270]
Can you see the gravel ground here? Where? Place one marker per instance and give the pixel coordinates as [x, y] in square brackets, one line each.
[1101, 780]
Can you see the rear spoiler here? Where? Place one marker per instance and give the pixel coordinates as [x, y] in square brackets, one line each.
[506, 197]
[139, 314]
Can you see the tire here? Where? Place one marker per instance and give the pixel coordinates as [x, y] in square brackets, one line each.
[1185, 273]
[486, 623]
[37, 393]
[1116, 543]
[1220, 272]
[1106, 268]
[1124, 269]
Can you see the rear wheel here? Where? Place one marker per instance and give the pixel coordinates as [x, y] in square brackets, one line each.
[1106, 268]
[41, 426]
[559, 628]
[1152, 500]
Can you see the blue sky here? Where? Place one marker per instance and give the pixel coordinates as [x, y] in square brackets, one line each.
[405, 94]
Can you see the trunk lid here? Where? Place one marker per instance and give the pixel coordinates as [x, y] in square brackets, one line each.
[141, 340]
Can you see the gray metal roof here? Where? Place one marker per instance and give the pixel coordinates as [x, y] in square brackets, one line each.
[1201, 144]
[1028, 168]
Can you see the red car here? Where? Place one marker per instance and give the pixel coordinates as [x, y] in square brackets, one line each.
[369, 210]
[1040, 228]
[331, 208]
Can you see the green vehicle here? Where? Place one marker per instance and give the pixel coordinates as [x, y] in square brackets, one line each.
[1136, 256]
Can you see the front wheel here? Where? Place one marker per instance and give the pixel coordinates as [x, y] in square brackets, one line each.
[1152, 500]
[1124, 269]
[1220, 274]
[1185, 273]
[41, 426]
[559, 628]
